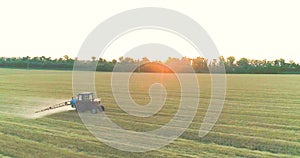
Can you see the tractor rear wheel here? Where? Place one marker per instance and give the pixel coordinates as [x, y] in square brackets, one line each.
[101, 108]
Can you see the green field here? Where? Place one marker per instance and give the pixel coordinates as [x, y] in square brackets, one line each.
[261, 117]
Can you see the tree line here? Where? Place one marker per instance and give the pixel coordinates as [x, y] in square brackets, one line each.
[184, 65]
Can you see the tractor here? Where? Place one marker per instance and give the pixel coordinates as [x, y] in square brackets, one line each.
[86, 101]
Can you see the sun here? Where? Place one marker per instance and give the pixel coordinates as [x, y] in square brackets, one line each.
[154, 67]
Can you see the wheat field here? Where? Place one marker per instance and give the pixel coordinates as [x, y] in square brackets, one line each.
[260, 118]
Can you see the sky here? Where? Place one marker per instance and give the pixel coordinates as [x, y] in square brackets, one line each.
[255, 29]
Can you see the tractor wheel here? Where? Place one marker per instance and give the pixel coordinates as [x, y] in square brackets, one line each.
[101, 108]
[94, 111]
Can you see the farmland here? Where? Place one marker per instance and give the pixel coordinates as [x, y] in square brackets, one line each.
[260, 118]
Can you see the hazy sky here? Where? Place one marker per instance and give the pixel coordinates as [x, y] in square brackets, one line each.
[243, 28]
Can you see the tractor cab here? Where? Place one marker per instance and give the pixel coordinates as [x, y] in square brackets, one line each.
[85, 96]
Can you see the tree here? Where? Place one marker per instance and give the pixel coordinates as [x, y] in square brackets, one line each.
[101, 60]
[222, 60]
[36, 59]
[199, 64]
[48, 59]
[121, 58]
[43, 58]
[230, 61]
[66, 57]
[243, 62]
[282, 62]
[94, 58]
[128, 60]
[145, 60]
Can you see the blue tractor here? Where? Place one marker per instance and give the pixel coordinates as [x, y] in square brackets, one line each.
[84, 101]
